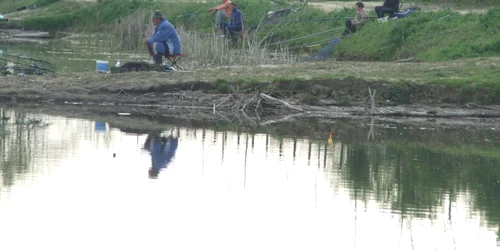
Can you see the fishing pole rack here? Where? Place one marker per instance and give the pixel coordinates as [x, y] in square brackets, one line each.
[22, 65]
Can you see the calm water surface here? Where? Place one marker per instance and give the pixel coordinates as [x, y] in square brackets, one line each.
[70, 54]
[410, 188]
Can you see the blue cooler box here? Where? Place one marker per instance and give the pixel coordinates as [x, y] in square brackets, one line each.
[102, 66]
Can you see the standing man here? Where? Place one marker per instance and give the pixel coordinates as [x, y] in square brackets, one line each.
[236, 23]
[389, 6]
[222, 12]
[360, 19]
[165, 41]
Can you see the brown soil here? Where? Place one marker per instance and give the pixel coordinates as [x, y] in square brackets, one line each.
[279, 92]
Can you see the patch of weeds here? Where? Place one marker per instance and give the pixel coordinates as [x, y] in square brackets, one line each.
[315, 91]
[345, 102]
[41, 3]
[494, 95]
[311, 100]
[301, 85]
[466, 94]
[251, 84]
[447, 83]
[285, 83]
[221, 81]
[223, 88]
[398, 94]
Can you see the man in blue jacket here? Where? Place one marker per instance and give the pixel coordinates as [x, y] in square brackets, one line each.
[236, 23]
[165, 41]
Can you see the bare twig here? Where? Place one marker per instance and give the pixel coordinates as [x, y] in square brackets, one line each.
[272, 99]
[122, 91]
[288, 117]
[372, 97]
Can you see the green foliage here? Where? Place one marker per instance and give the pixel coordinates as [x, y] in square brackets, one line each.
[345, 102]
[494, 94]
[429, 36]
[399, 94]
[251, 84]
[222, 86]
[307, 26]
[64, 15]
[466, 94]
[7, 6]
[311, 99]
[41, 3]
[194, 15]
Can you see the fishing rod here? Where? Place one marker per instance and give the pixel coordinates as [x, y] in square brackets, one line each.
[305, 45]
[25, 57]
[302, 37]
[320, 19]
[25, 64]
[22, 69]
[329, 19]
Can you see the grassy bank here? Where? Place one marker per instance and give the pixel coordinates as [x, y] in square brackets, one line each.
[427, 36]
[422, 36]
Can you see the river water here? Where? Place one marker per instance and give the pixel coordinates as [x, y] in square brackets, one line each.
[110, 183]
[73, 53]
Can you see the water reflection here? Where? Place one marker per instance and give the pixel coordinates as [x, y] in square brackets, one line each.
[403, 188]
[162, 149]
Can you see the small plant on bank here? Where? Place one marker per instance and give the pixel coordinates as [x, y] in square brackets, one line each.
[345, 102]
[223, 88]
[312, 100]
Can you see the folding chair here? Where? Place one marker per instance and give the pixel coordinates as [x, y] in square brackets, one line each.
[174, 59]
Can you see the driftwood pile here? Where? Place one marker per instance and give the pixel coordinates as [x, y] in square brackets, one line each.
[264, 108]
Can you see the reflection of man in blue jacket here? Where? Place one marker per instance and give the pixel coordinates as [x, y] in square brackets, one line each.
[165, 41]
[162, 150]
[236, 23]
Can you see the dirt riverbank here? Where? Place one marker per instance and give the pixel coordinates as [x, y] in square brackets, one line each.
[269, 93]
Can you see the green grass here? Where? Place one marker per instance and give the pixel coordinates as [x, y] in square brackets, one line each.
[422, 37]
[191, 15]
[419, 36]
[7, 6]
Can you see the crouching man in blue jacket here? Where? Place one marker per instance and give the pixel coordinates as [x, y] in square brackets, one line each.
[165, 41]
[236, 23]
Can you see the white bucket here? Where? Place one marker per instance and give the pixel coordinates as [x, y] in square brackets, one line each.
[102, 66]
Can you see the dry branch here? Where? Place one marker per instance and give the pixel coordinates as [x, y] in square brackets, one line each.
[272, 99]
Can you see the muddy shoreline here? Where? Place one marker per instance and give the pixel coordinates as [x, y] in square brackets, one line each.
[198, 96]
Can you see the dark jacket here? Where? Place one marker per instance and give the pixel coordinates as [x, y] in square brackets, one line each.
[236, 18]
[392, 4]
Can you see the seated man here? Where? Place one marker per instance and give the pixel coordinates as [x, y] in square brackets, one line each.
[236, 23]
[165, 41]
[361, 18]
[222, 12]
[389, 7]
